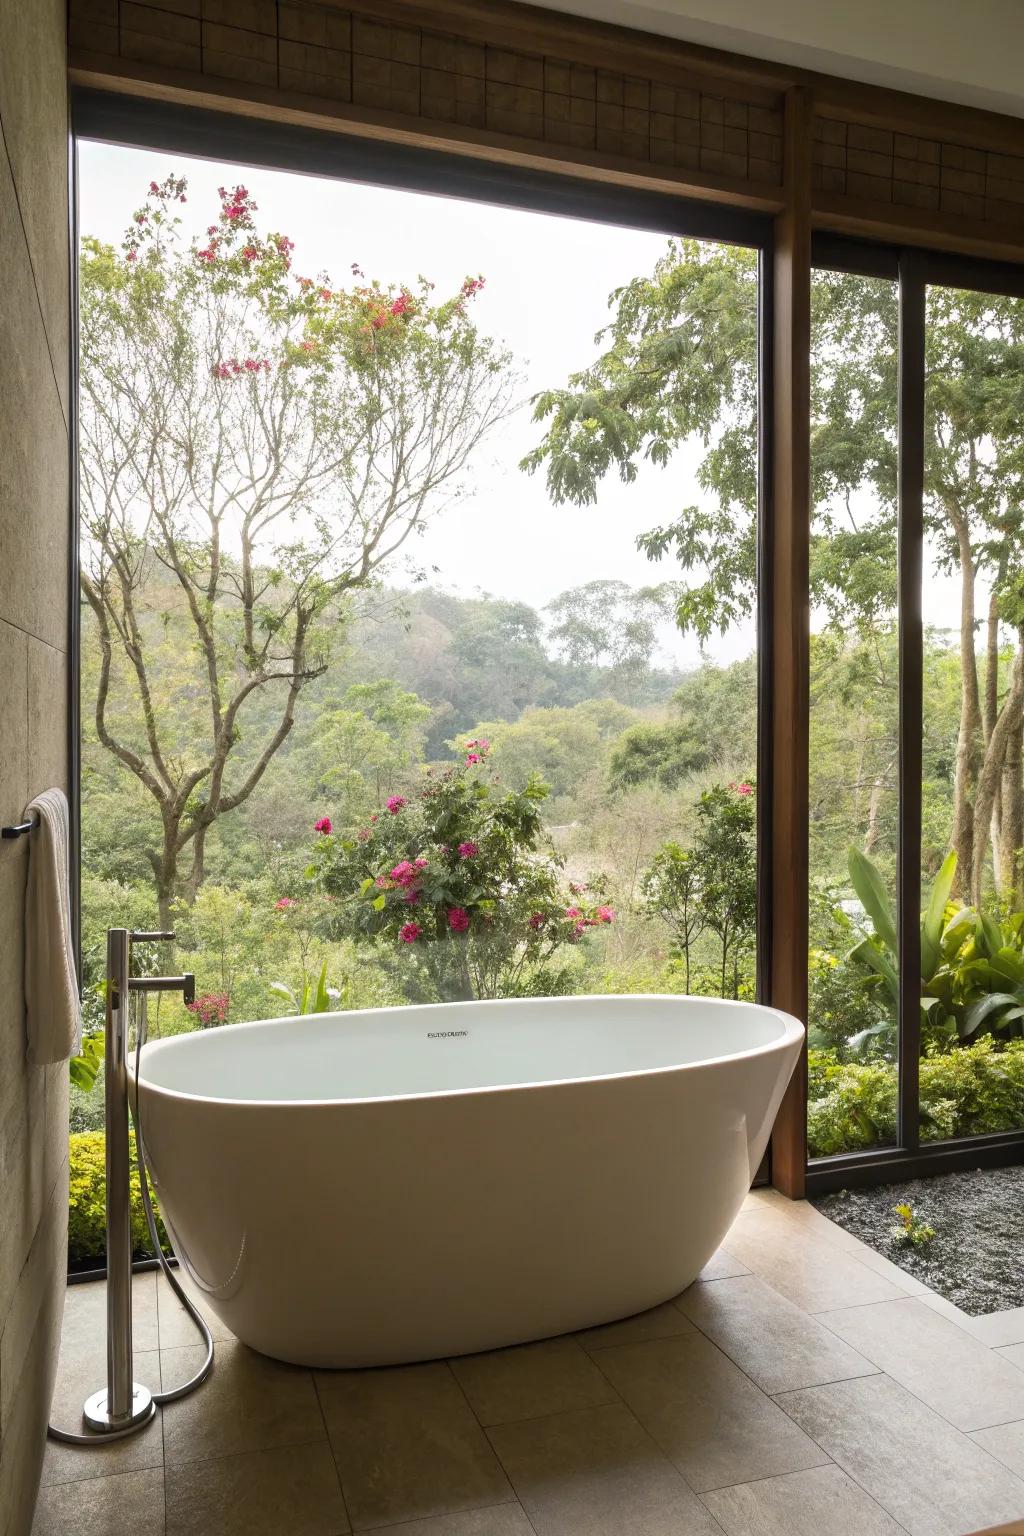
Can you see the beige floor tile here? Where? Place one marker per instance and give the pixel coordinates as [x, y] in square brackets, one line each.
[85, 1315]
[659, 1323]
[80, 1373]
[530, 1380]
[249, 1403]
[1014, 1353]
[263, 1493]
[822, 1501]
[964, 1380]
[995, 1329]
[177, 1329]
[722, 1266]
[934, 1480]
[705, 1413]
[499, 1520]
[777, 1344]
[1006, 1443]
[407, 1445]
[129, 1504]
[814, 1274]
[596, 1472]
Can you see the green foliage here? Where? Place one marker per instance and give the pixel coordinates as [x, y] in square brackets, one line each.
[969, 1091]
[87, 1239]
[659, 754]
[462, 878]
[910, 1231]
[711, 887]
[84, 1068]
[315, 997]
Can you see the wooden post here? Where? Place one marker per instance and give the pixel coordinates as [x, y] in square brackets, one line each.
[788, 725]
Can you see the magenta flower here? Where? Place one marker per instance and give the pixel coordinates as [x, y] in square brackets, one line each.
[283, 903]
[409, 932]
[472, 757]
[412, 897]
[742, 789]
[605, 915]
[537, 920]
[403, 873]
[396, 803]
[458, 919]
[324, 826]
[573, 912]
[468, 850]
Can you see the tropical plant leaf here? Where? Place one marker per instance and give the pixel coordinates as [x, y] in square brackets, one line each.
[981, 1012]
[871, 892]
[868, 953]
[931, 922]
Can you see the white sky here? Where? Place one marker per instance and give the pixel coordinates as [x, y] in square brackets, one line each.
[547, 286]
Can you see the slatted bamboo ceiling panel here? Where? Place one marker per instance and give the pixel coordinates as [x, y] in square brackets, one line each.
[357, 60]
[875, 165]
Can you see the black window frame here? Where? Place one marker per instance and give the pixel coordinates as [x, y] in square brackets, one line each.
[914, 269]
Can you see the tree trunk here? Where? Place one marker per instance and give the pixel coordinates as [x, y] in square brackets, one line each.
[1003, 745]
[1011, 821]
[969, 736]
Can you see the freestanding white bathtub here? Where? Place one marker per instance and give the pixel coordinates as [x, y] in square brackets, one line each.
[373, 1187]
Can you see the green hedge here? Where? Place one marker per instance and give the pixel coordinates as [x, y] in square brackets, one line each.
[967, 1091]
[87, 1238]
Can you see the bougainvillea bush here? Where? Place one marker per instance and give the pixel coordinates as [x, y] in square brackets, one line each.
[461, 884]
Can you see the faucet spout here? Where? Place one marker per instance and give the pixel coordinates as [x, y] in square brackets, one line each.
[186, 985]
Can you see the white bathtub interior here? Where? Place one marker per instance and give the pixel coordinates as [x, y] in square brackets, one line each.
[404, 1052]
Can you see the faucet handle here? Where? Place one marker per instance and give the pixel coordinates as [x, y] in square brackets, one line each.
[139, 936]
[188, 991]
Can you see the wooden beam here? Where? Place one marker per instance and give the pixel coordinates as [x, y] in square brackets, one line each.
[789, 597]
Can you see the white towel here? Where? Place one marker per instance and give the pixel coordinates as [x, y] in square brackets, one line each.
[52, 1006]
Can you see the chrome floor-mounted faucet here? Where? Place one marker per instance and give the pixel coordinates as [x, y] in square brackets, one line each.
[123, 1403]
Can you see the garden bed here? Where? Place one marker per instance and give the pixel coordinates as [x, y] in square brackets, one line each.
[975, 1258]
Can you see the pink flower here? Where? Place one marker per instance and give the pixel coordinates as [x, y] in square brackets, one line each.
[210, 1008]
[133, 255]
[576, 889]
[412, 897]
[250, 253]
[283, 903]
[396, 803]
[154, 189]
[325, 293]
[537, 920]
[468, 850]
[403, 873]
[324, 826]
[409, 932]
[308, 346]
[420, 863]
[373, 818]
[472, 285]
[401, 304]
[379, 319]
[458, 919]
[472, 757]
[573, 912]
[744, 789]
[605, 915]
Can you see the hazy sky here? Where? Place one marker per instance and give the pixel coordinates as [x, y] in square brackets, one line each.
[547, 286]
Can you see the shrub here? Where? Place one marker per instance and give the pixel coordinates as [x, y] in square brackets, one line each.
[461, 885]
[969, 1091]
[87, 1237]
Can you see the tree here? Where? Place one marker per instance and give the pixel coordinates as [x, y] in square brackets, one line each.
[611, 625]
[679, 364]
[267, 443]
[711, 887]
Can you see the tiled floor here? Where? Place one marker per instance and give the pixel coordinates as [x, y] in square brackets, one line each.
[804, 1386]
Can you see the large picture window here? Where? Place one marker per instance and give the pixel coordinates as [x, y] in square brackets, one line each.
[420, 579]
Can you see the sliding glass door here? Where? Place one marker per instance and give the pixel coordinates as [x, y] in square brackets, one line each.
[916, 965]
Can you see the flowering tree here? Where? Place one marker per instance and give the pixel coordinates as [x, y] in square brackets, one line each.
[254, 445]
[462, 880]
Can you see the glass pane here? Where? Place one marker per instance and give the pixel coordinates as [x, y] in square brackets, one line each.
[972, 1063]
[420, 614]
[854, 800]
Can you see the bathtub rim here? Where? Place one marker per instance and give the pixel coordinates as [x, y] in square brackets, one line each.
[794, 1033]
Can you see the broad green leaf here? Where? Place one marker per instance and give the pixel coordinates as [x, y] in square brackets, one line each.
[931, 923]
[868, 884]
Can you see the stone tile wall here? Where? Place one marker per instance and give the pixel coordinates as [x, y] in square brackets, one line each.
[34, 550]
